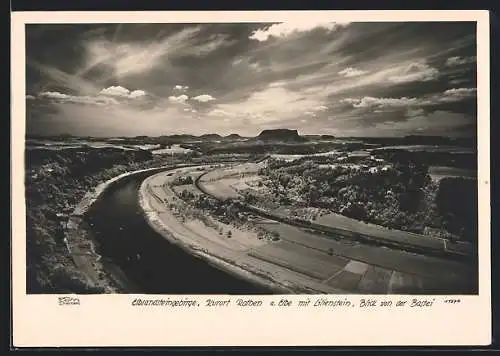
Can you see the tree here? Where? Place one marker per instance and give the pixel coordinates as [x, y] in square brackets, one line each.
[312, 194]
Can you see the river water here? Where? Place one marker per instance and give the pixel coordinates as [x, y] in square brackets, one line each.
[146, 261]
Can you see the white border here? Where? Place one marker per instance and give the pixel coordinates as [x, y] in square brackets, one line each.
[109, 320]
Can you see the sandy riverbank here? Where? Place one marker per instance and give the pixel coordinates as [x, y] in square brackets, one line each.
[225, 263]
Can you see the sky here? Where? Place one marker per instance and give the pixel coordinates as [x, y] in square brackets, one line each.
[343, 79]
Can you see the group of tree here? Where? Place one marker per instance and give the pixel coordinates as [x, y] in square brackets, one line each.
[402, 198]
[182, 180]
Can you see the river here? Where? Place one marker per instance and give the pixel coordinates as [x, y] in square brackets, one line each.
[146, 261]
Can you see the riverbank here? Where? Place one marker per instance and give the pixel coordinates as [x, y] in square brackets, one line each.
[81, 247]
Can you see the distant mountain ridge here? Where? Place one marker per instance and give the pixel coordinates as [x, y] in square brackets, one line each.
[271, 135]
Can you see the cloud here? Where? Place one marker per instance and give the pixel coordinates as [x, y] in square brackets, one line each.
[379, 103]
[436, 122]
[54, 95]
[137, 94]
[281, 30]
[255, 66]
[272, 103]
[459, 80]
[211, 44]
[277, 84]
[203, 98]
[181, 88]
[415, 72]
[285, 73]
[128, 58]
[121, 92]
[414, 112]
[75, 99]
[237, 61]
[178, 99]
[218, 112]
[458, 61]
[383, 104]
[457, 94]
[63, 79]
[30, 97]
[461, 91]
[351, 72]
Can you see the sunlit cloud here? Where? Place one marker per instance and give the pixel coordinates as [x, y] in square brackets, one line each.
[281, 30]
[351, 72]
[204, 98]
[119, 91]
[178, 99]
[181, 87]
[75, 99]
[415, 72]
[371, 102]
[458, 61]
[458, 94]
[448, 96]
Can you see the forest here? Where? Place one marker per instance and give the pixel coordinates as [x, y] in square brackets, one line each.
[55, 182]
[403, 198]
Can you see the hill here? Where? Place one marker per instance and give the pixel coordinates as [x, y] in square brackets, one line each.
[233, 137]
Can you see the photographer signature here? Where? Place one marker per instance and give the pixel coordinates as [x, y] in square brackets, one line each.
[69, 301]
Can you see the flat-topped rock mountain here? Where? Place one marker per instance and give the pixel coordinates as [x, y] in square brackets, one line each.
[280, 135]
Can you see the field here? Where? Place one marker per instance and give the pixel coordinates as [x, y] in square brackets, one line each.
[428, 148]
[300, 259]
[224, 183]
[356, 226]
[61, 145]
[388, 259]
[174, 149]
[292, 157]
[439, 172]
[222, 188]
[375, 280]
